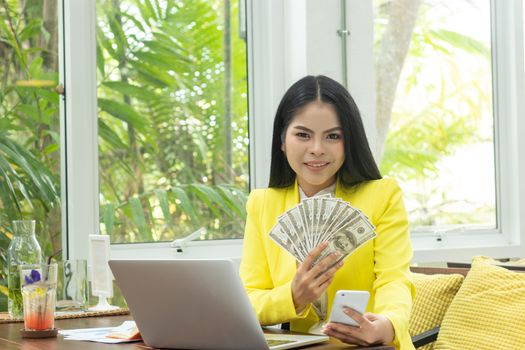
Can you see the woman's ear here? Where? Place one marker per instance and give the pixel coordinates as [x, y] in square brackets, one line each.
[283, 138]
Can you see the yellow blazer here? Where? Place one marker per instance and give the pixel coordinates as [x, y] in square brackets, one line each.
[380, 266]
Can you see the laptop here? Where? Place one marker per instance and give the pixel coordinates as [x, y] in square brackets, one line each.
[195, 304]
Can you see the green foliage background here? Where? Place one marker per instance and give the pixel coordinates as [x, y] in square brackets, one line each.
[168, 94]
[29, 127]
[171, 91]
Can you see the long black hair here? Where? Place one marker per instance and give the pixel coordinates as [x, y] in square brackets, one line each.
[359, 164]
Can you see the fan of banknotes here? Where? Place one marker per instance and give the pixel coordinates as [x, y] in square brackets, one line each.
[318, 219]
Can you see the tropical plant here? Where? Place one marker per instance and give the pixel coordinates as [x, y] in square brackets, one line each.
[166, 112]
[166, 164]
[29, 124]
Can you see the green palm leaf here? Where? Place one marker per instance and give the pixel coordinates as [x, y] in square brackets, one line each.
[123, 112]
[108, 217]
[162, 196]
[211, 198]
[186, 204]
[139, 219]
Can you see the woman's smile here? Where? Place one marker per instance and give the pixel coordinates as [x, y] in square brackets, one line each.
[316, 164]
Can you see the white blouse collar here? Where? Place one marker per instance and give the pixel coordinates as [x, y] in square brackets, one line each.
[328, 190]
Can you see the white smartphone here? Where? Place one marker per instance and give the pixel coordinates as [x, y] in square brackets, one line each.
[355, 299]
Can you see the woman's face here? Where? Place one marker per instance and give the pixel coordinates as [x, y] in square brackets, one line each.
[314, 146]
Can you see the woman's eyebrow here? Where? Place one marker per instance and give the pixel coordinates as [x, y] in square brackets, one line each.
[337, 128]
[304, 128]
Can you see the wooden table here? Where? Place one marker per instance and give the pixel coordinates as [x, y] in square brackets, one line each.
[10, 337]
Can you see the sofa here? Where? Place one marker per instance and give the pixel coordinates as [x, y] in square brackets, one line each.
[481, 307]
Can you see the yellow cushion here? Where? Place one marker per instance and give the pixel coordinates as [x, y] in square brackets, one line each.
[434, 293]
[488, 311]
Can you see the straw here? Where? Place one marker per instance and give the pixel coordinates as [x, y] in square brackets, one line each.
[52, 256]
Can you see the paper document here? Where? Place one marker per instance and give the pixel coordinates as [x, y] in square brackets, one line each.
[125, 333]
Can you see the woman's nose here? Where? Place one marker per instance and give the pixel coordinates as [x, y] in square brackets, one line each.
[316, 147]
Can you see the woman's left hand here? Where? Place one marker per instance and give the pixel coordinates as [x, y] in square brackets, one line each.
[372, 329]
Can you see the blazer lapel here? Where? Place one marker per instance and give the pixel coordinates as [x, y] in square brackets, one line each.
[291, 198]
[339, 190]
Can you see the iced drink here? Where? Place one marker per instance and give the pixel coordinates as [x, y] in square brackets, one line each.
[39, 306]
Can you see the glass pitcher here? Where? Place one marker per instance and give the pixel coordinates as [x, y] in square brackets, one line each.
[23, 250]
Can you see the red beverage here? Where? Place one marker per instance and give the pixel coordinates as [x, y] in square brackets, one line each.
[39, 321]
[39, 306]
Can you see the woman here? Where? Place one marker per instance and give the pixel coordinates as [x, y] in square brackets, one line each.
[319, 146]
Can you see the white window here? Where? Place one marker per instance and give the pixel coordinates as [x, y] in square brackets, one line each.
[172, 142]
[435, 116]
[447, 78]
[172, 119]
[286, 40]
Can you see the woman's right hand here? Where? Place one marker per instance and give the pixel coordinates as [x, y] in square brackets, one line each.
[310, 281]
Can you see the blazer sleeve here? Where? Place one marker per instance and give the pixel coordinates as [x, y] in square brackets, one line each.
[394, 290]
[272, 303]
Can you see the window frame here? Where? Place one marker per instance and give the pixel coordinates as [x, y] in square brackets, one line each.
[78, 127]
[274, 62]
[506, 241]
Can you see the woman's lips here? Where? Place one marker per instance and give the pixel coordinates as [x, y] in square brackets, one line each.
[316, 165]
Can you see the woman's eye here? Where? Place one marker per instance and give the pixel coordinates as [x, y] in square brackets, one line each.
[302, 135]
[334, 136]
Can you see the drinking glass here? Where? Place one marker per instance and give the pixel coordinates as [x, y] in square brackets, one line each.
[38, 295]
[72, 291]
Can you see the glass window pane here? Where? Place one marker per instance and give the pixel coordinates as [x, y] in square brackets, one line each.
[435, 110]
[173, 121]
[29, 125]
